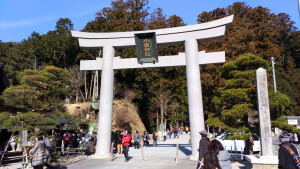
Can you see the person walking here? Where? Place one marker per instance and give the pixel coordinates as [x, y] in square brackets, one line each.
[223, 156]
[203, 146]
[160, 135]
[38, 156]
[155, 137]
[48, 149]
[165, 135]
[126, 142]
[12, 143]
[175, 132]
[146, 139]
[66, 139]
[119, 142]
[137, 140]
[284, 156]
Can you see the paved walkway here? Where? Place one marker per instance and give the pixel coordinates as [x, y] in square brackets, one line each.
[160, 157]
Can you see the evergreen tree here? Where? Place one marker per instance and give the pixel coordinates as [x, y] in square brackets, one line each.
[236, 101]
[39, 91]
[257, 31]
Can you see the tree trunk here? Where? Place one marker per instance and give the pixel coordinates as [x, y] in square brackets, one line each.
[157, 123]
[94, 86]
[65, 63]
[35, 63]
[177, 123]
[165, 124]
[85, 87]
[91, 86]
[97, 85]
[76, 97]
[82, 95]
[161, 114]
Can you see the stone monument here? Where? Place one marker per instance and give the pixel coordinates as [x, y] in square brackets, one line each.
[266, 160]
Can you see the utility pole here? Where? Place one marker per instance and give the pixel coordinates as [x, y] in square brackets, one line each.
[299, 8]
[274, 78]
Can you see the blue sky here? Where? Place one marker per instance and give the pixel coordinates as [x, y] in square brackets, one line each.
[19, 18]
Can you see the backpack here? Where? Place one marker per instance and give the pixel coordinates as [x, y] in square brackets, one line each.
[294, 156]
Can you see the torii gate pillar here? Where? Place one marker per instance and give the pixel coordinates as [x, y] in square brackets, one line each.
[196, 115]
[106, 103]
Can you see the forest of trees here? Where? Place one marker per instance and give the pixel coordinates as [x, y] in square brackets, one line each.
[229, 94]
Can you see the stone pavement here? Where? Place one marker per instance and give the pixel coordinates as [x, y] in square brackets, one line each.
[61, 164]
[160, 157]
[150, 163]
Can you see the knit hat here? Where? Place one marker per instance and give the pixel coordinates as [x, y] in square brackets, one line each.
[285, 139]
[125, 132]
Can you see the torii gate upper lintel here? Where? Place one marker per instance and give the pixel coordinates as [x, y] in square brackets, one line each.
[189, 35]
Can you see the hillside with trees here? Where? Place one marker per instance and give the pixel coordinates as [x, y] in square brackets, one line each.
[43, 70]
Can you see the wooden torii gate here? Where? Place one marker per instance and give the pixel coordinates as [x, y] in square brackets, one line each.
[189, 35]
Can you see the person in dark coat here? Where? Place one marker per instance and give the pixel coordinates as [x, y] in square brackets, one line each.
[285, 159]
[38, 156]
[90, 149]
[203, 146]
[118, 141]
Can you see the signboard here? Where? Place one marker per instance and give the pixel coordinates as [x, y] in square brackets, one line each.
[293, 121]
[146, 48]
[91, 128]
[24, 138]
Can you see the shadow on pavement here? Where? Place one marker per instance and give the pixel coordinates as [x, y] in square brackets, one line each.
[182, 148]
[242, 164]
[56, 167]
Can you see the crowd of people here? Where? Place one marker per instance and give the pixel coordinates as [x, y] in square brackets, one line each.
[212, 154]
[124, 139]
[41, 147]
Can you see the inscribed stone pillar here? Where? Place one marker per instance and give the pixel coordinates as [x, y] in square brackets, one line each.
[264, 112]
[196, 115]
[106, 104]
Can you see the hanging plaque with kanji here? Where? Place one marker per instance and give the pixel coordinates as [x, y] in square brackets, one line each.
[146, 48]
